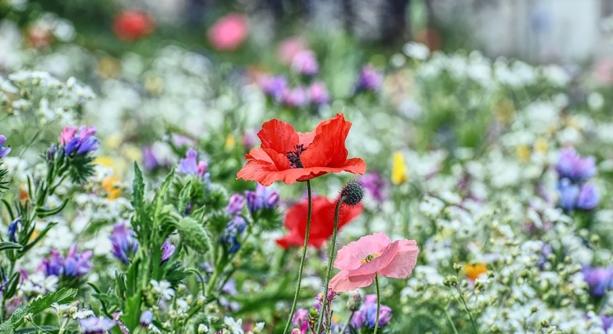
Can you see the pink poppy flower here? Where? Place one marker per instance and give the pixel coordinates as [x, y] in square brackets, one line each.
[229, 32]
[371, 255]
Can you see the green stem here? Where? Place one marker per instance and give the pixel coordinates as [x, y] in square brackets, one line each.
[378, 304]
[455, 330]
[337, 211]
[307, 233]
[470, 315]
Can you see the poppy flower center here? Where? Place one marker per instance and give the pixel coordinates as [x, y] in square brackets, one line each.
[369, 258]
[294, 156]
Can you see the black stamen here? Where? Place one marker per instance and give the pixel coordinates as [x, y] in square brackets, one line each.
[294, 156]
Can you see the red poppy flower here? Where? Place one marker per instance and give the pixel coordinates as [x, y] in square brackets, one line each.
[290, 156]
[131, 25]
[322, 221]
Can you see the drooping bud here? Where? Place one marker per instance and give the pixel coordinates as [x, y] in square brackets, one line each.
[352, 193]
[354, 302]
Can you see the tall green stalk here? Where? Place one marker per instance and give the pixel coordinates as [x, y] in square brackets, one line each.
[378, 304]
[337, 211]
[307, 234]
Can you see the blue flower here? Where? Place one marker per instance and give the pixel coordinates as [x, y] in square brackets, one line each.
[263, 198]
[568, 194]
[123, 242]
[599, 279]
[12, 229]
[366, 315]
[588, 197]
[4, 151]
[230, 235]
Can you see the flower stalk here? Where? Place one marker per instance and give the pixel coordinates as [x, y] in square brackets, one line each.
[307, 233]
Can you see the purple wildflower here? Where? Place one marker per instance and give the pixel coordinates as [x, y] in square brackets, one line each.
[318, 94]
[146, 318]
[168, 249]
[77, 264]
[53, 265]
[575, 167]
[607, 322]
[274, 87]
[96, 325]
[79, 141]
[369, 79]
[374, 185]
[151, 160]
[235, 204]
[123, 242]
[191, 166]
[305, 63]
[301, 320]
[366, 315]
[263, 198]
[599, 279]
[4, 151]
[588, 197]
[295, 97]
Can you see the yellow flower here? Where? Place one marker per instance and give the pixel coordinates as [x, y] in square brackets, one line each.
[474, 270]
[111, 186]
[523, 153]
[104, 161]
[230, 142]
[541, 146]
[399, 169]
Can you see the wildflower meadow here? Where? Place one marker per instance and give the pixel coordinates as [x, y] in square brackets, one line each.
[239, 168]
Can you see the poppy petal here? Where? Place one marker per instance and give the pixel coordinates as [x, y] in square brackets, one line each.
[328, 146]
[279, 136]
[402, 265]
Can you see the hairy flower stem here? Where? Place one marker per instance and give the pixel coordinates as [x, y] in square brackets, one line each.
[337, 211]
[307, 233]
[378, 303]
[470, 315]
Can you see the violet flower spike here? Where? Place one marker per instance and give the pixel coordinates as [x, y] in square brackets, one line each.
[168, 249]
[4, 151]
[123, 242]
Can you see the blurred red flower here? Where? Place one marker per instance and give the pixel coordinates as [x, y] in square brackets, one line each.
[322, 222]
[290, 156]
[131, 25]
[229, 32]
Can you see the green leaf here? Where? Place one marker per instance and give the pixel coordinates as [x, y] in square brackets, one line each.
[7, 245]
[42, 213]
[138, 189]
[132, 312]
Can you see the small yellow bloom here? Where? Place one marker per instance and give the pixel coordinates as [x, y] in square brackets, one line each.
[34, 235]
[104, 161]
[541, 146]
[399, 169]
[474, 270]
[111, 186]
[523, 153]
[113, 141]
[230, 142]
